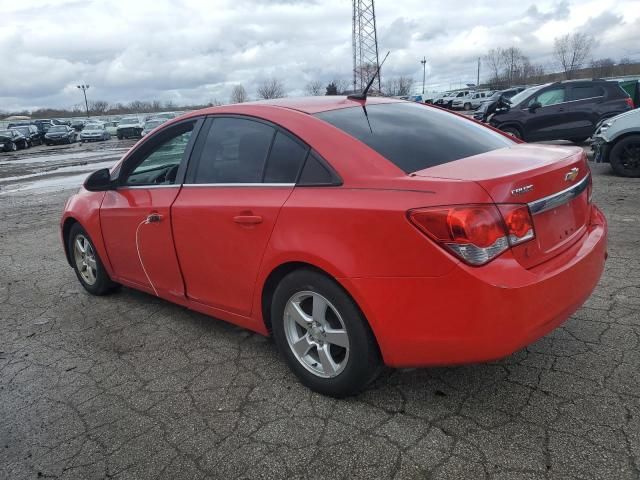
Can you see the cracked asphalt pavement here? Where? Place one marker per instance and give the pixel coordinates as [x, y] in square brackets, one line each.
[131, 387]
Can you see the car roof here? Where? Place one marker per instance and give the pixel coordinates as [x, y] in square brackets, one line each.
[311, 105]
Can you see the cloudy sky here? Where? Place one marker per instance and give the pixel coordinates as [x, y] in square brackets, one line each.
[190, 51]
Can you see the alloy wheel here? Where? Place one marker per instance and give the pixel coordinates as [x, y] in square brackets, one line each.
[630, 156]
[316, 334]
[85, 259]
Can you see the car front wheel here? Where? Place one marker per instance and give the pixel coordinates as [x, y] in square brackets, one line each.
[87, 264]
[625, 157]
[322, 335]
[513, 131]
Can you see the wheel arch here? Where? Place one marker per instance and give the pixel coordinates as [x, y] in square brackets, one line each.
[69, 222]
[278, 273]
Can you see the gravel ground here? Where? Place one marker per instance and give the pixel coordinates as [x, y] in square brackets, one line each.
[129, 386]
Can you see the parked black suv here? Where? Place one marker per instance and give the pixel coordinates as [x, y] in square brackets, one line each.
[568, 110]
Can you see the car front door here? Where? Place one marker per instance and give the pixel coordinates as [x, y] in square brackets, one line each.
[228, 206]
[551, 119]
[136, 215]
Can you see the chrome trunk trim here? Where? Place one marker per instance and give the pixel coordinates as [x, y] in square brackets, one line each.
[557, 199]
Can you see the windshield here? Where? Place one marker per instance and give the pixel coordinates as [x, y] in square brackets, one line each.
[414, 136]
[516, 99]
[23, 130]
[58, 128]
[128, 121]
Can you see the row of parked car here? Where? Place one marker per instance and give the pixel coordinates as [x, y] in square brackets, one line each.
[575, 110]
[25, 134]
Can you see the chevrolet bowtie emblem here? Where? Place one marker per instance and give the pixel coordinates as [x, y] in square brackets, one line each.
[571, 175]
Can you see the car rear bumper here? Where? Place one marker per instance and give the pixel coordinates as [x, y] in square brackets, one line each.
[480, 314]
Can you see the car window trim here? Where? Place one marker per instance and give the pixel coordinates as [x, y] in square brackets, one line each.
[567, 101]
[186, 155]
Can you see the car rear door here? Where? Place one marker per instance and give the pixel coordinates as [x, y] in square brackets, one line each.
[242, 173]
[584, 103]
[551, 120]
[136, 216]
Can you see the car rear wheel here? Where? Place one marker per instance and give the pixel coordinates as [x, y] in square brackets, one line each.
[322, 335]
[625, 156]
[13, 147]
[87, 264]
[513, 131]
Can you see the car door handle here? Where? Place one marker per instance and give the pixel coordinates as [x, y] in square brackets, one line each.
[154, 218]
[247, 219]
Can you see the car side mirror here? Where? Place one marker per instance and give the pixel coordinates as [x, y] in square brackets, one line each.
[99, 181]
[534, 106]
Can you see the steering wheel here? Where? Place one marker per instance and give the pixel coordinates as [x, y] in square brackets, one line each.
[166, 175]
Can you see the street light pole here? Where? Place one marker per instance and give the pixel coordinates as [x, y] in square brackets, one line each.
[424, 71]
[84, 90]
[478, 79]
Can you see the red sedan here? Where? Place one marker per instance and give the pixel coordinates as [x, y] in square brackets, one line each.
[357, 232]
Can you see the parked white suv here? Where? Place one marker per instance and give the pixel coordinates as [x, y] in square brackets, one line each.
[471, 100]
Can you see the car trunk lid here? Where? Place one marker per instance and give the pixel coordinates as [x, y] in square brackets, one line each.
[553, 181]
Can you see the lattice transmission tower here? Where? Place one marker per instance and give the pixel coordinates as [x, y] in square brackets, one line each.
[365, 45]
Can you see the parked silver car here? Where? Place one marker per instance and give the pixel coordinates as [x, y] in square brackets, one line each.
[617, 141]
[94, 132]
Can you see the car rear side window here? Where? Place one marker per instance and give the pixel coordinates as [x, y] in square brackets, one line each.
[415, 136]
[285, 159]
[234, 151]
[586, 91]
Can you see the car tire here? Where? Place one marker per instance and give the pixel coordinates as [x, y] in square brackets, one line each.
[513, 131]
[87, 264]
[467, 106]
[119, 137]
[307, 305]
[13, 147]
[624, 156]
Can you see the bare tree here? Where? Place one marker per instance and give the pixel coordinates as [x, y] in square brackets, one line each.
[98, 107]
[398, 86]
[571, 51]
[494, 60]
[342, 85]
[514, 62]
[271, 88]
[602, 67]
[623, 65]
[314, 88]
[238, 94]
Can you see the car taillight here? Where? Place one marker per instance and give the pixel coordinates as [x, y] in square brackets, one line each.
[475, 233]
[518, 222]
[629, 101]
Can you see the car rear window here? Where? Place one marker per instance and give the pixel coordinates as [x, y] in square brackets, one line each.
[414, 136]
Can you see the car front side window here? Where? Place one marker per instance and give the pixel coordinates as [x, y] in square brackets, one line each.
[159, 164]
[550, 97]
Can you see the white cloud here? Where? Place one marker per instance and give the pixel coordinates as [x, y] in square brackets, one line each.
[192, 51]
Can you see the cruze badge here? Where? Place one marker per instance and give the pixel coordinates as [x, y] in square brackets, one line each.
[571, 175]
[522, 190]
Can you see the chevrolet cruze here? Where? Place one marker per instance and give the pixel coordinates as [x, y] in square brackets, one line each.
[359, 233]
